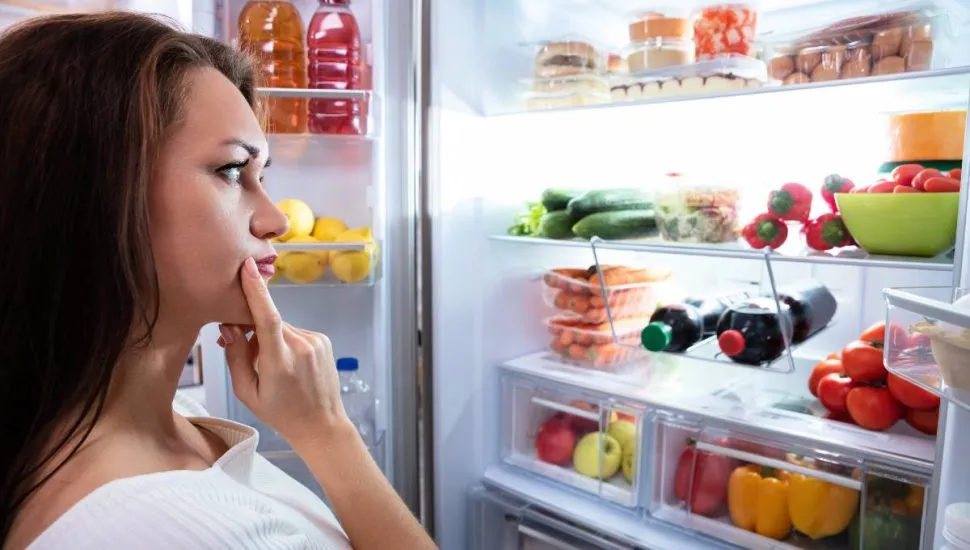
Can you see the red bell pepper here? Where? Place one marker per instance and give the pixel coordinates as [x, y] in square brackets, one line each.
[792, 202]
[833, 184]
[826, 232]
[765, 230]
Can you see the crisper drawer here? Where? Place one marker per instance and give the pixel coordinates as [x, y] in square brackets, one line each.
[584, 440]
[502, 522]
[758, 493]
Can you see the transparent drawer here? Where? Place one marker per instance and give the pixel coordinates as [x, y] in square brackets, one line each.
[580, 439]
[757, 493]
[927, 350]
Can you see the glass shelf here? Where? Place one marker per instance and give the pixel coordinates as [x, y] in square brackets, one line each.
[314, 94]
[924, 328]
[316, 264]
[847, 257]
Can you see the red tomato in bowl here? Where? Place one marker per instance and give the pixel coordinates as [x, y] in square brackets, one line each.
[823, 368]
[873, 408]
[910, 394]
[924, 421]
[833, 392]
[862, 362]
[876, 334]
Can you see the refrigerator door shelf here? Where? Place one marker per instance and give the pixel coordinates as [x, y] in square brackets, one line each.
[584, 440]
[500, 521]
[316, 264]
[710, 479]
[928, 344]
[743, 402]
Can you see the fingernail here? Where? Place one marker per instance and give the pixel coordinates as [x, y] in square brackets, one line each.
[220, 342]
[226, 334]
[249, 266]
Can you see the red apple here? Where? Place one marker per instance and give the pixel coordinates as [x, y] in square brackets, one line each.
[555, 441]
[583, 426]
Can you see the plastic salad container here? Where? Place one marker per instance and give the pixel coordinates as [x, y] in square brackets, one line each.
[670, 22]
[630, 292]
[699, 214]
[705, 77]
[725, 29]
[902, 37]
[658, 53]
[593, 345]
[951, 348]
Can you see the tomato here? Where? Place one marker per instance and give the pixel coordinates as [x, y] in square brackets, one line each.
[873, 408]
[924, 421]
[860, 189]
[910, 394]
[833, 391]
[905, 189]
[924, 175]
[882, 186]
[839, 417]
[701, 479]
[876, 334]
[828, 366]
[956, 173]
[862, 362]
[834, 355]
[904, 174]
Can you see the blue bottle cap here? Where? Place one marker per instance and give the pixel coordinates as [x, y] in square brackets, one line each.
[347, 364]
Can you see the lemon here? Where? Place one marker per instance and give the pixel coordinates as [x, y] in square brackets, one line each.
[300, 266]
[327, 229]
[300, 216]
[352, 266]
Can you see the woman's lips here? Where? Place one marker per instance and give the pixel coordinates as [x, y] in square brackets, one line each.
[266, 265]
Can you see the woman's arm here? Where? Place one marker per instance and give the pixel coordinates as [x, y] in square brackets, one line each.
[368, 508]
[296, 391]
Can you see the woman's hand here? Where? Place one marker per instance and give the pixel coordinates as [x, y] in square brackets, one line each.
[287, 376]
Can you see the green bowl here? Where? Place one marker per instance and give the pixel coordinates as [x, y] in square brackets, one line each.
[901, 224]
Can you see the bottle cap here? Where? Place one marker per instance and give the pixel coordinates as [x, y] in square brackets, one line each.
[731, 342]
[347, 364]
[656, 336]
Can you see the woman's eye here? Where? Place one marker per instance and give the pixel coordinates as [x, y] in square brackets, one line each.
[233, 173]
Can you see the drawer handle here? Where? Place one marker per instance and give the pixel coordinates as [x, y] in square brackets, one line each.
[540, 536]
[566, 408]
[829, 477]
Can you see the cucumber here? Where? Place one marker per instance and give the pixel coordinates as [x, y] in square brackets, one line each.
[556, 225]
[608, 200]
[623, 224]
[555, 199]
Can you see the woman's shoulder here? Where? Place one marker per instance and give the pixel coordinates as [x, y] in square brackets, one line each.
[179, 509]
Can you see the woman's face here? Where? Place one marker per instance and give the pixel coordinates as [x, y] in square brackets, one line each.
[209, 210]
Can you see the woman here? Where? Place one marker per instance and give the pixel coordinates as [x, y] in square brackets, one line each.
[133, 213]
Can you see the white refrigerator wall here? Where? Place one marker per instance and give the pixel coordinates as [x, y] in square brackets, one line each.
[487, 302]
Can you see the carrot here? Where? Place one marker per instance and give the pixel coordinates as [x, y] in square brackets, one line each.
[883, 187]
[956, 173]
[579, 304]
[561, 300]
[860, 189]
[566, 338]
[561, 277]
[905, 189]
[604, 355]
[941, 185]
[555, 345]
[577, 351]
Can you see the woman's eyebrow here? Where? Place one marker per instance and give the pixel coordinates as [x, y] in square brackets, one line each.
[251, 149]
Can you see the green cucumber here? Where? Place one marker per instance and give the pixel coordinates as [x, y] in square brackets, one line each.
[556, 199]
[555, 225]
[623, 224]
[609, 200]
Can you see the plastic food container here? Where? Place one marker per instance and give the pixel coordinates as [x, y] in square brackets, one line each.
[725, 29]
[951, 350]
[568, 56]
[668, 22]
[577, 292]
[570, 91]
[717, 76]
[926, 136]
[659, 53]
[592, 345]
[699, 214]
[874, 45]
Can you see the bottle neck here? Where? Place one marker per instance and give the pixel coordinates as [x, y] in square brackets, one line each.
[340, 3]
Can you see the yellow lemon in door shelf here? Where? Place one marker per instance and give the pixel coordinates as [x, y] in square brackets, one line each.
[300, 216]
[328, 229]
[302, 266]
[353, 266]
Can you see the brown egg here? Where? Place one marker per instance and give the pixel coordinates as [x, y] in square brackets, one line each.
[807, 59]
[912, 34]
[797, 78]
[857, 67]
[780, 67]
[824, 73]
[833, 58]
[889, 65]
[886, 43]
[920, 55]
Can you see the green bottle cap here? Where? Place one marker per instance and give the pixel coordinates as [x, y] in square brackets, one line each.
[656, 336]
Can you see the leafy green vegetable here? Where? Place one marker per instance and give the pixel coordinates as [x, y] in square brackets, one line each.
[527, 223]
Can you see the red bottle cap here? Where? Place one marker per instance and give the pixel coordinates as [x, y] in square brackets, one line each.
[731, 342]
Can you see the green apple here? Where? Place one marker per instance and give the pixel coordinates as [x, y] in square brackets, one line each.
[624, 432]
[628, 463]
[596, 451]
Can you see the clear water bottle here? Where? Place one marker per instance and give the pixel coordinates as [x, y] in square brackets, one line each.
[357, 397]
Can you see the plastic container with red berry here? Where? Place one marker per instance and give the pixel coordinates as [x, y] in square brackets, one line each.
[725, 29]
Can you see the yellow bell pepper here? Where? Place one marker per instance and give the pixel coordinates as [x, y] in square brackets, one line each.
[820, 509]
[759, 502]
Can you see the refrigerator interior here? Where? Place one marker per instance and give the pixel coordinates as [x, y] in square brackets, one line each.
[489, 158]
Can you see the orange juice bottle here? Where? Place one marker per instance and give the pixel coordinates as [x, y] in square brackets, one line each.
[272, 30]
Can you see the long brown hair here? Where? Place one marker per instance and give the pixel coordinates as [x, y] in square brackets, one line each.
[86, 103]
